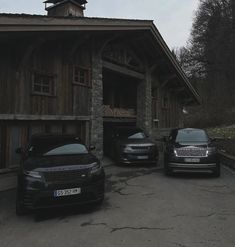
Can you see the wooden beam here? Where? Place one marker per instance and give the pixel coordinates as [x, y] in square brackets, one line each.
[119, 120]
[105, 41]
[123, 70]
[75, 45]
[177, 90]
[29, 51]
[167, 80]
[156, 65]
[43, 117]
[187, 101]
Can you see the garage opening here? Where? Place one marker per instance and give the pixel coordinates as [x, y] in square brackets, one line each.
[119, 95]
[120, 103]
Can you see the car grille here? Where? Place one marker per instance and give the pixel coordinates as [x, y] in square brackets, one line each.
[61, 176]
[142, 148]
[191, 152]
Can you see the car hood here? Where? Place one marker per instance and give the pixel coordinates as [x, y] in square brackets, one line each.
[192, 144]
[136, 141]
[46, 163]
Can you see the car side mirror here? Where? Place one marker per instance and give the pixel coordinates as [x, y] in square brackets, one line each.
[92, 148]
[19, 150]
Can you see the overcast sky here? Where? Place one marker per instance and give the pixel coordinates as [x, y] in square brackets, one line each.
[173, 18]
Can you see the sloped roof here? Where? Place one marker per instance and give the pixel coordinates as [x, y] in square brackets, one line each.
[39, 23]
[59, 1]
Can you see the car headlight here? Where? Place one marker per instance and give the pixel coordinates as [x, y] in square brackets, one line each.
[210, 151]
[126, 148]
[33, 174]
[96, 168]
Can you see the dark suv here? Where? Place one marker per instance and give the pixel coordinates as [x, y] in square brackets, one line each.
[191, 150]
[58, 171]
[130, 145]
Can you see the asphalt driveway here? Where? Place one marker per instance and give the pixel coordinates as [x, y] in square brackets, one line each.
[142, 208]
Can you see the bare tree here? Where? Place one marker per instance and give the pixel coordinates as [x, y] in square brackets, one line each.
[209, 58]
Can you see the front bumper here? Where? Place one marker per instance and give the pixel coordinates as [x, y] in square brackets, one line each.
[135, 158]
[208, 163]
[44, 198]
[192, 166]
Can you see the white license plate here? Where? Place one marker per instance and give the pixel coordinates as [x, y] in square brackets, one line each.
[67, 192]
[192, 160]
[142, 157]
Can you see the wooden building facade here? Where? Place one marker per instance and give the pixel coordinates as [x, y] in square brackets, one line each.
[79, 75]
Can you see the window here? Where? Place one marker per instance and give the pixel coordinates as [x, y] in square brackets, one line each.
[43, 84]
[81, 76]
[189, 135]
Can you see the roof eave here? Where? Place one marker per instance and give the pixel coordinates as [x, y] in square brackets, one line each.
[82, 24]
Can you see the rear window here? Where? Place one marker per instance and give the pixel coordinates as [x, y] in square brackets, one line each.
[191, 136]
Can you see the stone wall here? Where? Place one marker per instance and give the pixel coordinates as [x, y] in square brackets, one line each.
[97, 104]
[144, 104]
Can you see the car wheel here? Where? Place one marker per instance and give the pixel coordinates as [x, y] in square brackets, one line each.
[20, 208]
[216, 171]
[167, 170]
[100, 201]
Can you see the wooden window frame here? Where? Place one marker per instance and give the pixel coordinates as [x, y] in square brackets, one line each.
[50, 84]
[86, 77]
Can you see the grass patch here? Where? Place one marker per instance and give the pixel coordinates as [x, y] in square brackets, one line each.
[222, 132]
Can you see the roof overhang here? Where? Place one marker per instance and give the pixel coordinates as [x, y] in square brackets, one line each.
[15, 23]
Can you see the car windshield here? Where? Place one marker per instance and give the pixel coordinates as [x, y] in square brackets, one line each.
[62, 149]
[191, 136]
[132, 134]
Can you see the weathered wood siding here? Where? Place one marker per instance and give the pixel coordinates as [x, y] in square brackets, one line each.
[14, 134]
[17, 65]
[166, 107]
[16, 96]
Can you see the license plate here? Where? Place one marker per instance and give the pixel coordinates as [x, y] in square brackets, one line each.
[67, 192]
[142, 157]
[192, 160]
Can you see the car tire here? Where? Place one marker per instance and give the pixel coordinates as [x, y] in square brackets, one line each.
[216, 171]
[168, 171]
[100, 201]
[20, 208]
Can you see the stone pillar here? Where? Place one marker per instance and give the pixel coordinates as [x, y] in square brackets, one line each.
[144, 104]
[97, 104]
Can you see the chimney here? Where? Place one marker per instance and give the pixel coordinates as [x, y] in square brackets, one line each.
[65, 7]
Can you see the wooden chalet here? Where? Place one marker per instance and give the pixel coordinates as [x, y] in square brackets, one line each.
[66, 73]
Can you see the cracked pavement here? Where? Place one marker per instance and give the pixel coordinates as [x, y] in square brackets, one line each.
[142, 208]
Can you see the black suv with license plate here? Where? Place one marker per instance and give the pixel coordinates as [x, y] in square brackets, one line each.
[191, 150]
[58, 171]
[130, 145]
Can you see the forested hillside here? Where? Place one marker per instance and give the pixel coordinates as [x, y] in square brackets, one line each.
[209, 62]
